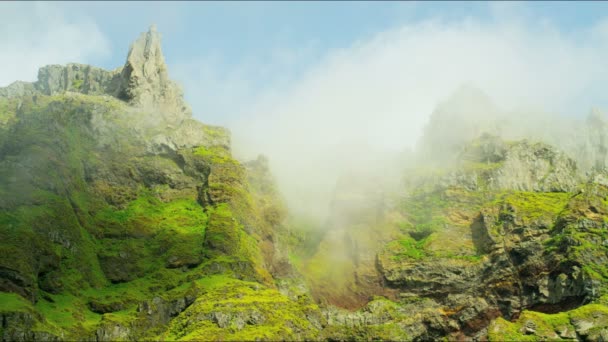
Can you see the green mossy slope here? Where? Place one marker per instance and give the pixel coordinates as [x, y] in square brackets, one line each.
[101, 239]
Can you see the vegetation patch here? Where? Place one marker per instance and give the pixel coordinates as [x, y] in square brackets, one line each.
[409, 248]
[216, 154]
[237, 310]
[531, 206]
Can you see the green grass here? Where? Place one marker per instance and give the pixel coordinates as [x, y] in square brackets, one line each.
[214, 132]
[534, 205]
[7, 111]
[548, 325]
[425, 214]
[223, 230]
[408, 248]
[215, 154]
[275, 316]
[12, 302]
[66, 313]
[77, 84]
[148, 227]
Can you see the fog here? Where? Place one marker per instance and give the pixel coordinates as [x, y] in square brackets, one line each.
[38, 34]
[367, 105]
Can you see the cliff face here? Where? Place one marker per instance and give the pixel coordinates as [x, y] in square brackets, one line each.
[122, 218]
[501, 245]
[143, 82]
[469, 113]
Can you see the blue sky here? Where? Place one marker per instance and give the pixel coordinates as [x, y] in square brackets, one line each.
[239, 29]
[235, 32]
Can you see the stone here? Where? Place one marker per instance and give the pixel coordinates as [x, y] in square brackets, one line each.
[145, 81]
[536, 167]
[529, 327]
[18, 89]
[112, 332]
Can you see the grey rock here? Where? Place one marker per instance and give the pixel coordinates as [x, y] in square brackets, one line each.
[529, 327]
[18, 89]
[535, 167]
[159, 311]
[18, 326]
[80, 78]
[434, 277]
[145, 81]
[566, 332]
[110, 331]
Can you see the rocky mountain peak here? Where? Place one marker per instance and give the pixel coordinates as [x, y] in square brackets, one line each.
[464, 115]
[145, 79]
[145, 67]
[143, 82]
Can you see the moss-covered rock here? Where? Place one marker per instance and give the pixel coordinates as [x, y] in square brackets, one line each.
[113, 201]
[243, 311]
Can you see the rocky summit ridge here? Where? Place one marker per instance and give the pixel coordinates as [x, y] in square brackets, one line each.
[142, 82]
[118, 212]
[123, 218]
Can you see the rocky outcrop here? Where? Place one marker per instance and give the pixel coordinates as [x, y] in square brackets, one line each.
[58, 79]
[490, 164]
[534, 249]
[145, 81]
[468, 113]
[18, 89]
[19, 326]
[80, 78]
[591, 145]
[113, 200]
[159, 311]
[535, 167]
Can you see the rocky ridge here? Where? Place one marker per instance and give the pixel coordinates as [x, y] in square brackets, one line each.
[119, 213]
[511, 234]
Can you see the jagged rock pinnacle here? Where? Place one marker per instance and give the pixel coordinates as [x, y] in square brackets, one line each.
[145, 68]
[464, 115]
[145, 80]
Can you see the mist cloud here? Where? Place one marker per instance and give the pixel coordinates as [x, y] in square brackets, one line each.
[376, 96]
[37, 34]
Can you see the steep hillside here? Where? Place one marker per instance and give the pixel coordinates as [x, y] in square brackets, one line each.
[123, 218]
[507, 243]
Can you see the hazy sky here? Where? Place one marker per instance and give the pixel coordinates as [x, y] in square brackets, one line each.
[318, 86]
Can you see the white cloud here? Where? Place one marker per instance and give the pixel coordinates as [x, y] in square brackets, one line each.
[379, 93]
[36, 34]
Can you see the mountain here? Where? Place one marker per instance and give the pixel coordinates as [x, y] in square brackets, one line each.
[123, 218]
